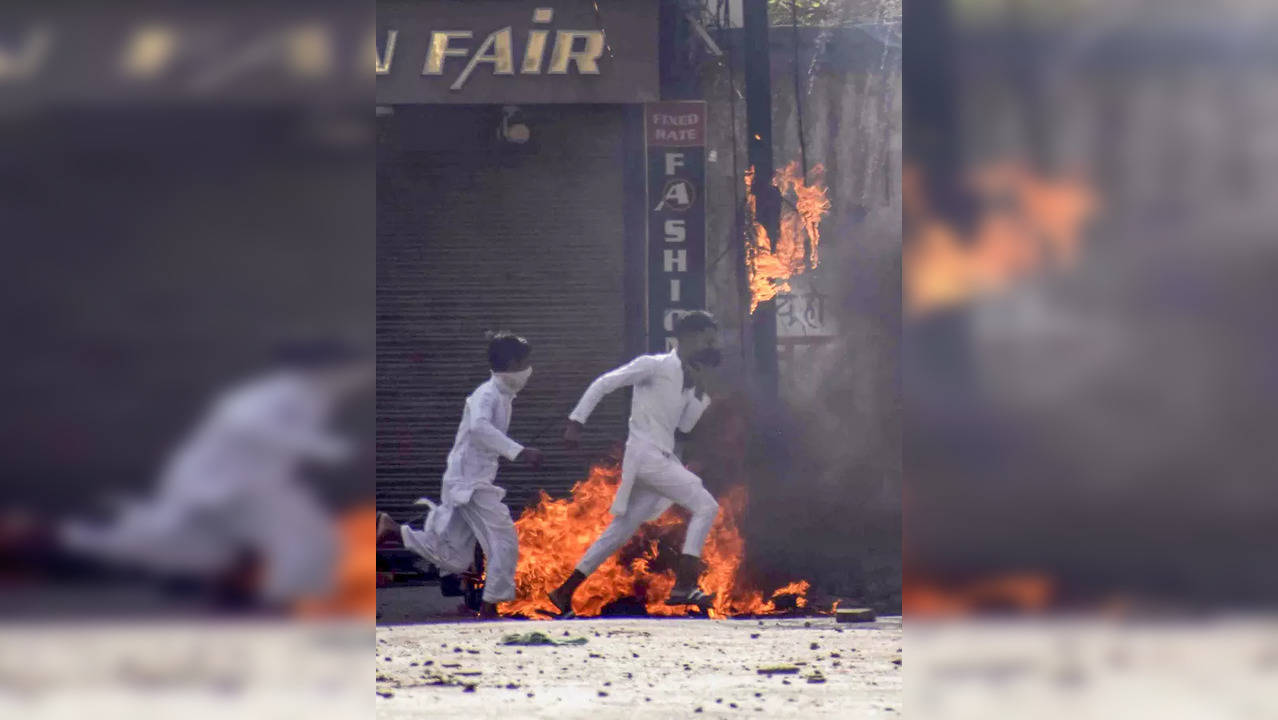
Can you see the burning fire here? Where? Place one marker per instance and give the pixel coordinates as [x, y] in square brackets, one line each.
[553, 534]
[802, 209]
[1023, 592]
[1027, 223]
[354, 593]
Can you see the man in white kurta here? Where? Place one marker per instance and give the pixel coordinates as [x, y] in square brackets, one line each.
[471, 508]
[667, 397]
[236, 483]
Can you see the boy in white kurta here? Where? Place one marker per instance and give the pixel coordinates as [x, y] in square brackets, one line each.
[237, 483]
[471, 508]
[668, 397]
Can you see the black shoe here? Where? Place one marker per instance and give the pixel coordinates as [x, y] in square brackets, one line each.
[695, 596]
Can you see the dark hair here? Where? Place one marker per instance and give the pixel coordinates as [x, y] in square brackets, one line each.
[695, 322]
[316, 354]
[505, 349]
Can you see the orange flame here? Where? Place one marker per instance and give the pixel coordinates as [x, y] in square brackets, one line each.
[1023, 592]
[803, 207]
[553, 534]
[355, 591]
[1028, 223]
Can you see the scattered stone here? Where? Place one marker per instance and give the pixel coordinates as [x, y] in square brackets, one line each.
[779, 670]
[754, 636]
[469, 688]
[603, 694]
[596, 655]
[896, 662]
[450, 665]
[539, 638]
[816, 678]
[387, 659]
[473, 652]
[732, 705]
[382, 678]
[412, 664]
[697, 710]
[807, 623]
[456, 650]
[385, 693]
[429, 662]
[854, 615]
[814, 646]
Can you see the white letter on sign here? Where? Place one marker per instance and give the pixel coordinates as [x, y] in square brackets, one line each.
[676, 194]
[675, 258]
[587, 59]
[503, 64]
[439, 50]
[675, 295]
[675, 232]
[673, 161]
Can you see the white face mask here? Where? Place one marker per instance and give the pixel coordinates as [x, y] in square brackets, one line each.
[514, 381]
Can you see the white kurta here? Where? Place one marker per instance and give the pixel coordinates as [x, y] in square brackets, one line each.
[471, 507]
[652, 478]
[659, 406]
[234, 483]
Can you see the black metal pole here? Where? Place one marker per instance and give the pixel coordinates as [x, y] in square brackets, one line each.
[758, 82]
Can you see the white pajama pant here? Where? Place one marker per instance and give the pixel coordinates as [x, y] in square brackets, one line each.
[659, 480]
[450, 532]
[293, 535]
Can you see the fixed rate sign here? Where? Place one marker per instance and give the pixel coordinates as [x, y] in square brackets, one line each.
[676, 140]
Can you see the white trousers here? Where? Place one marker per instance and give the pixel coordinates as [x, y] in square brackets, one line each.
[448, 537]
[659, 480]
[293, 535]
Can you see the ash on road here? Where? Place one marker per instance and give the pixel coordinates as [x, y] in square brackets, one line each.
[642, 668]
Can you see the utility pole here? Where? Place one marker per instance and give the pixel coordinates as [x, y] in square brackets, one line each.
[758, 82]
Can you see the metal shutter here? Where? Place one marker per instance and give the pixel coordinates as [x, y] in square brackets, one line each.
[475, 234]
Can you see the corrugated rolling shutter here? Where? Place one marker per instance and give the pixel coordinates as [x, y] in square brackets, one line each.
[475, 233]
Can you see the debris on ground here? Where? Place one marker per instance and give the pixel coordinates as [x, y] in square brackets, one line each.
[692, 662]
[854, 615]
[539, 638]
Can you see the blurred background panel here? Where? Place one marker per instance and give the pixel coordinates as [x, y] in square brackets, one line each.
[1088, 250]
[184, 190]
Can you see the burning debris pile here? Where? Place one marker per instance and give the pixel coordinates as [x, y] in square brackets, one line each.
[804, 205]
[1028, 223]
[553, 534]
